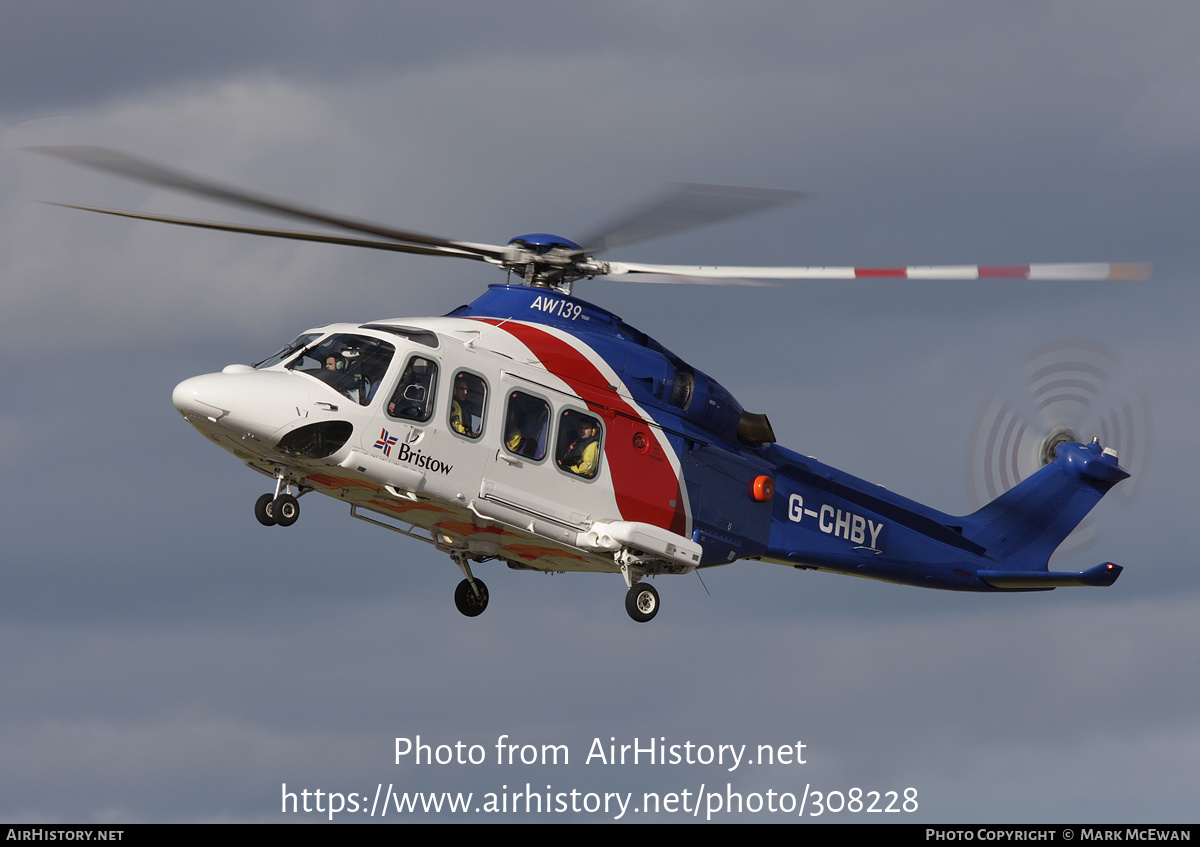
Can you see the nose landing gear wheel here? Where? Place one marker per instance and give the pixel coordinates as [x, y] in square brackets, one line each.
[264, 511]
[466, 600]
[642, 603]
[286, 509]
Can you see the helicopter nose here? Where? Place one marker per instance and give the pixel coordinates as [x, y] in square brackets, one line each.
[240, 398]
[190, 395]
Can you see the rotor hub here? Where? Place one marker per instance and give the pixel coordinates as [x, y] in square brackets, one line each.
[543, 242]
[546, 260]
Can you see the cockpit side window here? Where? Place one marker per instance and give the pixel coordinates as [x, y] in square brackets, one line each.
[526, 426]
[353, 365]
[468, 404]
[578, 446]
[413, 398]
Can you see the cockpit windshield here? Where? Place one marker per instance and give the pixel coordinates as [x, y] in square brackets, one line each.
[353, 365]
[288, 349]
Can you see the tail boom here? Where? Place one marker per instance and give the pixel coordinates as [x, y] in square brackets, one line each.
[827, 520]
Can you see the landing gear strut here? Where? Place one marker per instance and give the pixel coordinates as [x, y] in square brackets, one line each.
[280, 508]
[641, 601]
[467, 601]
[471, 596]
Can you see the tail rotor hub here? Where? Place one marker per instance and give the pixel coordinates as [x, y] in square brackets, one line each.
[1050, 444]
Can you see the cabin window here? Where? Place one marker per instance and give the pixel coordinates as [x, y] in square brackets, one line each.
[352, 365]
[413, 398]
[578, 448]
[467, 404]
[526, 426]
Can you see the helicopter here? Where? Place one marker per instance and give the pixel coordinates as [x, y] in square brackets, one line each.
[536, 429]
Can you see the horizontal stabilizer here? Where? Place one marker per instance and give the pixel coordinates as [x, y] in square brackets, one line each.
[1100, 576]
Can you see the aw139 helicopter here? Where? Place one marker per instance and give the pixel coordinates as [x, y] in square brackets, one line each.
[540, 430]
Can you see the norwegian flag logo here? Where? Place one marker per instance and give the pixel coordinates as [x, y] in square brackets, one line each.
[385, 443]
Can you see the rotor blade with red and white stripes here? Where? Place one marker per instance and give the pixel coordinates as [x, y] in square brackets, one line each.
[1044, 271]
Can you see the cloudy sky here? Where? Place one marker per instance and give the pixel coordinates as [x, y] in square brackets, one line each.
[168, 659]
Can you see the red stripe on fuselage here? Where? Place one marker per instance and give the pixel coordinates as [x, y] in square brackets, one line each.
[647, 488]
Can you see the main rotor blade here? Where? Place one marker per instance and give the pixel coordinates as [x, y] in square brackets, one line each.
[1044, 271]
[131, 167]
[283, 233]
[687, 205]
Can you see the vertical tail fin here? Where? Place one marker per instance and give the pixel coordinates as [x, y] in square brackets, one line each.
[1023, 526]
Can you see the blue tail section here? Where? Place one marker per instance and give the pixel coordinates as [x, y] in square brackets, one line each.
[1021, 528]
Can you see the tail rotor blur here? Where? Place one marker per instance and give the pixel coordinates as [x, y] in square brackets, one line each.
[1074, 395]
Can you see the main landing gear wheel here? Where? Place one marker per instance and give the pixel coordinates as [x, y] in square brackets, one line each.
[642, 602]
[286, 509]
[264, 511]
[467, 601]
